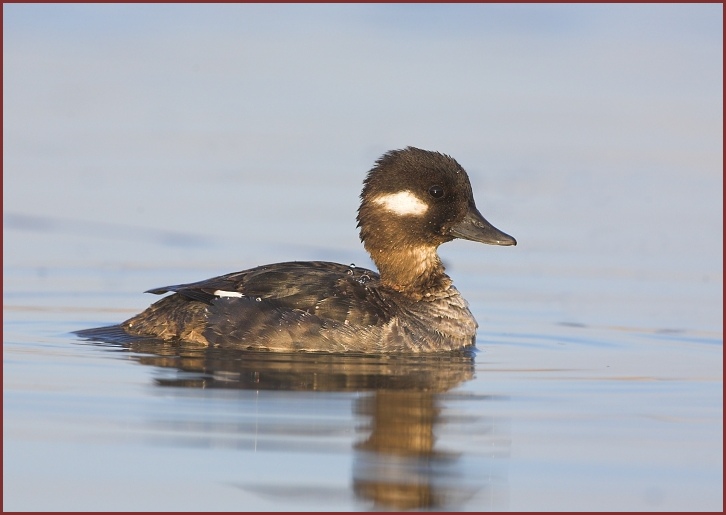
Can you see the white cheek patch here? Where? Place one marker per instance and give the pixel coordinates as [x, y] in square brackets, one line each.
[403, 203]
[222, 293]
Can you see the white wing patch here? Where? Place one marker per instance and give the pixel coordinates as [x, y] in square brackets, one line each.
[404, 203]
[222, 293]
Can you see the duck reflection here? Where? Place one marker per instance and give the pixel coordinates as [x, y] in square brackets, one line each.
[397, 466]
[396, 463]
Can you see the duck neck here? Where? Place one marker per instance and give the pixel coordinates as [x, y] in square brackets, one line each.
[416, 272]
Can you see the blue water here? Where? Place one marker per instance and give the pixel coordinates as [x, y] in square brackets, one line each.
[157, 144]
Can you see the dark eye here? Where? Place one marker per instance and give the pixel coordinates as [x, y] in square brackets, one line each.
[436, 191]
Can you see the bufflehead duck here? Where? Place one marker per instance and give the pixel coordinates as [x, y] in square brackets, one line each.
[412, 201]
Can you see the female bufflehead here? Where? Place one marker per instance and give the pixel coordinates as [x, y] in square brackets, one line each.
[412, 201]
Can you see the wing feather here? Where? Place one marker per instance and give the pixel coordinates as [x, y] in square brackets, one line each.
[327, 290]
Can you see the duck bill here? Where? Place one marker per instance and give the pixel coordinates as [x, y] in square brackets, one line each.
[474, 227]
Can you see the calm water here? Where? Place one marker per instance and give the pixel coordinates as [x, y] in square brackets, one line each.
[152, 145]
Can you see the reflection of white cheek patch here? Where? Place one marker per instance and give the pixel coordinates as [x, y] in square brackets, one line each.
[222, 293]
[402, 203]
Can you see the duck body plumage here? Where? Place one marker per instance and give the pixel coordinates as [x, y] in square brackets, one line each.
[307, 306]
